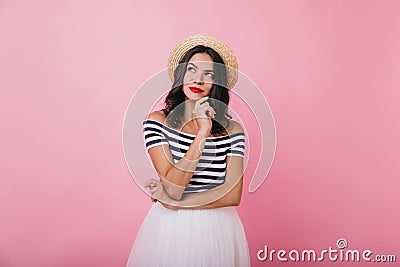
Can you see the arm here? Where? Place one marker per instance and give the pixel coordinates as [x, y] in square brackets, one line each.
[227, 194]
[175, 177]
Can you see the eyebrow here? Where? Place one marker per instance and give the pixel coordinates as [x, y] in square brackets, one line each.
[198, 67]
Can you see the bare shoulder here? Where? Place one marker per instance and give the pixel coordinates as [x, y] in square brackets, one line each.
[235, 127]
[157, 116]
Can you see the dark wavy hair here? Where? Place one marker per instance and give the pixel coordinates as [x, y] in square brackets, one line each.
[218, 97]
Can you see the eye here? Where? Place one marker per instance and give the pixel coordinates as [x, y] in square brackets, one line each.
[210, 74]
[191, 69]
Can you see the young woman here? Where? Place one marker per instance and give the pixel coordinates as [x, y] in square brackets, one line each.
[197, 151]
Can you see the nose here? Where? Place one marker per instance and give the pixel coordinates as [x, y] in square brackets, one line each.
[199, 82]
[199, 78]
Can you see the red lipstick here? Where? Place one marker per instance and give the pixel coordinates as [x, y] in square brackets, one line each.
[196, 90]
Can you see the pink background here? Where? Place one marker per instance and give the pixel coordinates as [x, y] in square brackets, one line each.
[329, 69]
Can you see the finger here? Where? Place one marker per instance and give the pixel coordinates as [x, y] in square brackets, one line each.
[213, 113]
[150, 182]
[203, 109]
[210, 112]
[153, 184]
[156, 195]
[202, 113]
[200, 101]
[153, 190]
[204, 98]
[204, 104]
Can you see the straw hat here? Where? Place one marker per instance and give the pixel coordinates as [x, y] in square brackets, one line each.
[201, 39]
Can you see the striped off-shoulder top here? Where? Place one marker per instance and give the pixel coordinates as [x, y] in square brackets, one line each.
[211, 168]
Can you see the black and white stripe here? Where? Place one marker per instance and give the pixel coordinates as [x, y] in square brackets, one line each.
[211, 168]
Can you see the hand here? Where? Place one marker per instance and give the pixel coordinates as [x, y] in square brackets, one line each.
[156, 189]
[157, 192]
[203, 113]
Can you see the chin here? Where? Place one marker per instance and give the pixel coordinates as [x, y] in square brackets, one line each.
[193, 96]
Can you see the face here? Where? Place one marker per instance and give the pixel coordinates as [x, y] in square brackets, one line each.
[199, 76]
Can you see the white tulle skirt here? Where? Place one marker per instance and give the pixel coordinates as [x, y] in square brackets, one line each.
[190, 238]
